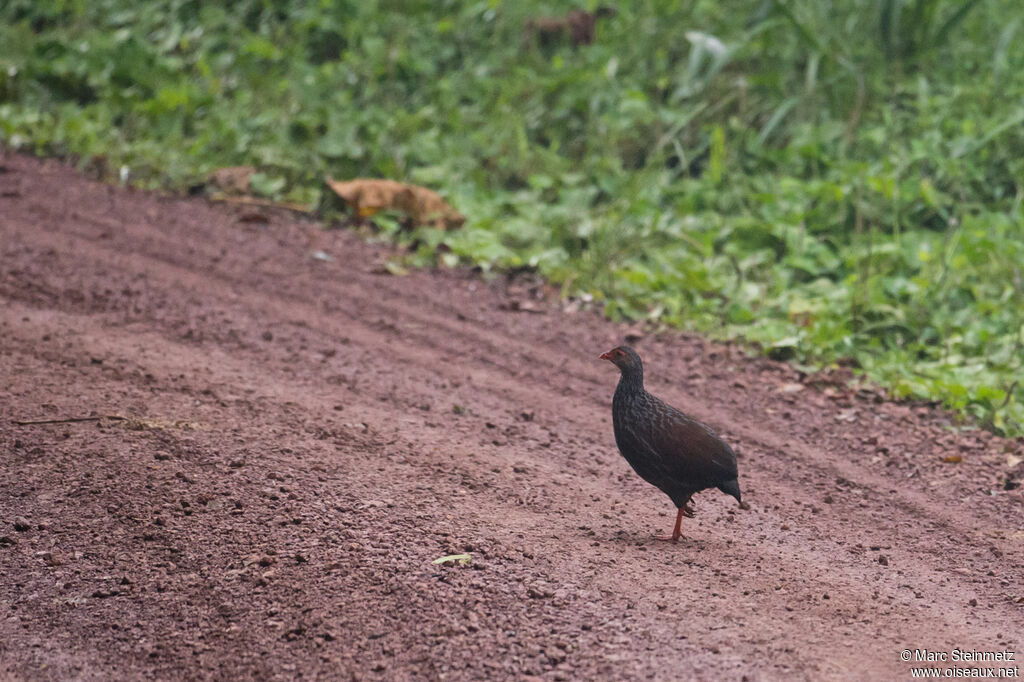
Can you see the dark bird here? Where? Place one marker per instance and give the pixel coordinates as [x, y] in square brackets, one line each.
[668, 449]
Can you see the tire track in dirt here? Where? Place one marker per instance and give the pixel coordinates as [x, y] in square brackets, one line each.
[546, 505]
[369, 338]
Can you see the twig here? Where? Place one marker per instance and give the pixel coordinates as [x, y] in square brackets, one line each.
[1009, 395]
[266, 203]
[858, 110]
[68, 420]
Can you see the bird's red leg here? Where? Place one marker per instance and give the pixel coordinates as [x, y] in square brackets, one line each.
[676, 531]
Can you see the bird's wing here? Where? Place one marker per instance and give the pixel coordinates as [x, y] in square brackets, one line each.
[689, 450]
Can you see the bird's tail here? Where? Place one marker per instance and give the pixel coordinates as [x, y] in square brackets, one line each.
[732, 488]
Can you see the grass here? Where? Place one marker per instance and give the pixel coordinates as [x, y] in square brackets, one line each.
[831, 182]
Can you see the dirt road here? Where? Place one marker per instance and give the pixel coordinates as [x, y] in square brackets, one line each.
[305, 436]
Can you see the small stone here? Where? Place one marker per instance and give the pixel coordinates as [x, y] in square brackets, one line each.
[53, 558]
[973, 602]
[634, 334]
[882, 561]
[21, 524]
[7, 541]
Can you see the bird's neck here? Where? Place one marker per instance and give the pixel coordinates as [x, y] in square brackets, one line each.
[631, 381]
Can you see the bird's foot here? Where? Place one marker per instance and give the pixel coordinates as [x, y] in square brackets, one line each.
[667, 538]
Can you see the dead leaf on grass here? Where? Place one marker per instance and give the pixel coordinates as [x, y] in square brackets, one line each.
[460, 559]
[423, 206]
[952, 459]
[233, 180]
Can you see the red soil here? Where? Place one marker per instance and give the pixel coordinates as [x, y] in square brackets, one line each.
[307, 436]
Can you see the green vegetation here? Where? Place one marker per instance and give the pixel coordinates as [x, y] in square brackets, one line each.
[831, 181]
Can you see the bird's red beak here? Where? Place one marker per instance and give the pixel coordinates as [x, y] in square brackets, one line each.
[606, 356]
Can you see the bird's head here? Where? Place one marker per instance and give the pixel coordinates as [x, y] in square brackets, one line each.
[625, 358]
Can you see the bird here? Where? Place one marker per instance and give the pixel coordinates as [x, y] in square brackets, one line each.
[670, 450]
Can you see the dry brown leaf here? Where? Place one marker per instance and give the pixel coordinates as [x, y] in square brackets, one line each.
[952, 459]
[233, 180]
[423, 206]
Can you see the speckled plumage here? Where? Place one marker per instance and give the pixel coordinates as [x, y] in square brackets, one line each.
[668, 449]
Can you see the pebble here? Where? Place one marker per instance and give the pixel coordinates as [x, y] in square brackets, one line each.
[21, 524]
[53, 558]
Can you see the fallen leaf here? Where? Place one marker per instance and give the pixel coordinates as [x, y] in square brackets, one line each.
[322, 255]
[792, 387]
[953, 459]
[233, 180]
[1012, 461]
[423, 206]
[461, 559]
